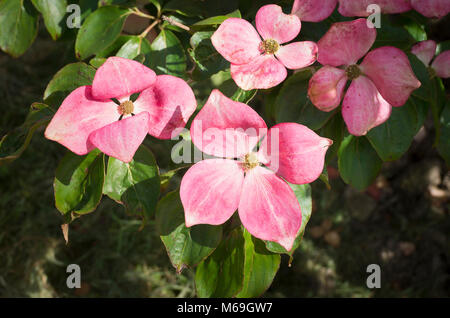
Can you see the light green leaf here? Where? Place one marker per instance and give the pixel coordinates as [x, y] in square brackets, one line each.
[134, 184]
[53, 12]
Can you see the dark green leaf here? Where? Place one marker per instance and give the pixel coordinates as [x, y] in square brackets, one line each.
[334, 129]
[78, 183]
[392, 35]
[359, 163]
[134, 184]
[260, 267]
[18, 26]
[244, 96]
[69, 78]
[100, 30]
[53, 12]
[293, 104]
[443, 145]
[393, 138]
[303, 194]
[14, 144]
[186, 247]
[208, 60]
[167, 55]
[213, 21]
[222, 274]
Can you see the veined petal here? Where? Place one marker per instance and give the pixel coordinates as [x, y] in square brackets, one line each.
[263, 72]
[237, 41]
[170, 102]
[346, 42]
[225, 128]
[78, 116]
[268, 208]
[294, 152]
[210, 191]
[298, 54]
[119, 77]
[363, 107]
[326, 87]
[313, 10]
[272, 23]
[358, 8]
[442, 65]
[424, 51]
[432, 8]
[122, 138]
[389, 69]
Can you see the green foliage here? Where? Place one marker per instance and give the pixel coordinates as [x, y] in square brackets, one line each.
[53, 12]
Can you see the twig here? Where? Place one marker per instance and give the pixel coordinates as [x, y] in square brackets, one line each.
[175, 23]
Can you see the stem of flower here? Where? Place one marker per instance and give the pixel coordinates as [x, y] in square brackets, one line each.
[141, 14]
[175, 23]
[151, 26]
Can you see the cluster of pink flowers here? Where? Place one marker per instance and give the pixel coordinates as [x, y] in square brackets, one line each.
[250, 180]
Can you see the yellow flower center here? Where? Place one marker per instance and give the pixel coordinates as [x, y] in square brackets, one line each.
[250, 161]
[269, 46]
[353, 72]
[126, 108]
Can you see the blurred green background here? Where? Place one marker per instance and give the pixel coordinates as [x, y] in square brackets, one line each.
[401, 223]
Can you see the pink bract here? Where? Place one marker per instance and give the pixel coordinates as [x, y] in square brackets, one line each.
[383, 79]
[89, 119]
[213, 189]
[313, 10]
[432, 8]
[358, 8]
[426, 50]
[261, 63]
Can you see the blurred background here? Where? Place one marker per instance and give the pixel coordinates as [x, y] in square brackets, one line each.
[401, 222]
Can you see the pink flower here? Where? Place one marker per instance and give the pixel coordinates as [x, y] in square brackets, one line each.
[432, 8]
[358, 8]
[426, 50]
[261, 64]
[313, 10]
[213, 189]
[89, 119]
[383, 79]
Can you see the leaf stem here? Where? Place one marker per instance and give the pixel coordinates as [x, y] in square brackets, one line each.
[151, 26]
[142, 14]
[175, 23]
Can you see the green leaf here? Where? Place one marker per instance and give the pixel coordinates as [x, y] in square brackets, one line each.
[69, 78]
[100, 30]
[53, 12]
[334, 129]
[133, 47]
[167, 55]
[14, 144]
[221, 274]
[78, 183]
[443, 145]
[394, 137]
[18, 26]
[208, 61]
[359, 163]
[186, 247]
[244, 96]
[393, 35]
[260, 267]
[134, 184]
[214, 21]
[293, 104]
[303, 194]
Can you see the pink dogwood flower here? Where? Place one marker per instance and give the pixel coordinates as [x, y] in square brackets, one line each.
[358, 8]
[213, 189]
[425, 51]
[383, 79]
[432, 8]
[261, 63]
[88, 117]
[313, 10]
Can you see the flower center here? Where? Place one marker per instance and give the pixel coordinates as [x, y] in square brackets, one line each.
[353, 72]
[269, 46]
[250, 161]
[126, 108]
